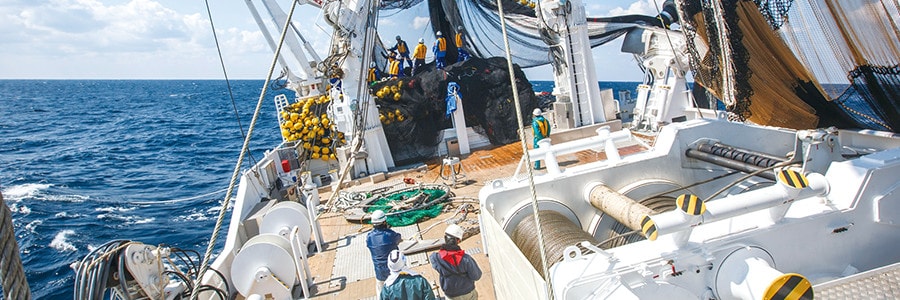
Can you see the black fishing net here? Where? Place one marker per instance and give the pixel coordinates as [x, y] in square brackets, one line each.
[857, 52]
[481, 22]
[413, 110]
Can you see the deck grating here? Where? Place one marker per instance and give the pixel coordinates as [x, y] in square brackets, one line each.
[881, 283]
[350, 259]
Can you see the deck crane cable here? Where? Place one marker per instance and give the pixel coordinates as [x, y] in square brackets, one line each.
[227, 81]
[534, 204]
[204, 266]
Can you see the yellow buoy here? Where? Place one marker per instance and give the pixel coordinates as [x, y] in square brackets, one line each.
[397, 97]
[326, 141]
[306, 145]
[285, 133]
[314, 155]
[331, 156]
[320, 132]
[400, 118]
[326, 150]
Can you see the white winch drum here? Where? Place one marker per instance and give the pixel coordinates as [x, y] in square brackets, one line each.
[264, 254]
[282, 217]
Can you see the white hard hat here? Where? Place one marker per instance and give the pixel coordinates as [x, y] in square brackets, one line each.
[454, 231]
[372, 65]
[438, 33]
[396, 261]
[378, 217]
[421, 41]
[536, 112]
[459, 28]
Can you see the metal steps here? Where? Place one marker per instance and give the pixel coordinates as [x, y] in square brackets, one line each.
[881, 283]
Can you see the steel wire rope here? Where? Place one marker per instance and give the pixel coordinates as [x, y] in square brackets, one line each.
[12, 272]
[204, 265]
[237, 116]
[177, 200]
[534, 204]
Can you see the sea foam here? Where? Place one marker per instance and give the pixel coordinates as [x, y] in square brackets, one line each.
[60, 243]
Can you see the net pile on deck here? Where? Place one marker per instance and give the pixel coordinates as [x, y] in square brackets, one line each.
[414, 109]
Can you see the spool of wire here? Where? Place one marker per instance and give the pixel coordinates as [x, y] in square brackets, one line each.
[558, 233]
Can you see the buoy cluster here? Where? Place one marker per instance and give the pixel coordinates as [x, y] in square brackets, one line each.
[305, 122]
[389, 93]
[527, 3]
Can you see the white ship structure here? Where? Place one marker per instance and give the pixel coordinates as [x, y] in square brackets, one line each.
[709, 208]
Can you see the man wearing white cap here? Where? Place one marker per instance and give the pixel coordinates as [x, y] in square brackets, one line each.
[541, 128]
[458, 270]
[403, 283]
[381, 241]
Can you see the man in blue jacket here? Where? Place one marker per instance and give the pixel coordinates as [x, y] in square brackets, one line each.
[458, 270]
[381, 241]
[404, 284]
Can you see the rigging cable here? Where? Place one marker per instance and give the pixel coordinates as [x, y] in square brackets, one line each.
[534, 204]
[204, 266]
[12, 273]
[227, 82]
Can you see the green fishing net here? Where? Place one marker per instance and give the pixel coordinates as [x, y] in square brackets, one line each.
[412, 216]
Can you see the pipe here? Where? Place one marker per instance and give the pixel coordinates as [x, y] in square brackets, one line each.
[621, 208]
[731, 206]
[748, 156]
[728, 163]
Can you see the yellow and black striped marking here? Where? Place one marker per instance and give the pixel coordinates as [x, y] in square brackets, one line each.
[792, 179]
[791, 286]
[690, 204]
[648, 227]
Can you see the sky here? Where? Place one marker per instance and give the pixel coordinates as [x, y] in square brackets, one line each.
[172, 39]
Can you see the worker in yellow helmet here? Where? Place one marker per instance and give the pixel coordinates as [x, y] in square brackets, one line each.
[419, 55]
[462, 54]
[440, 50]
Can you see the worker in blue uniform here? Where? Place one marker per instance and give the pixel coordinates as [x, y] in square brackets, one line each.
[381, 241]
[462, 54]
[403, 50]
[440, 50]
[541, 128]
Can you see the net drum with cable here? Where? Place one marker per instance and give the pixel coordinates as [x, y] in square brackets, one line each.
[558, 233]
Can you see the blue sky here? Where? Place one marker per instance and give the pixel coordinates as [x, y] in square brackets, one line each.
[172, 39]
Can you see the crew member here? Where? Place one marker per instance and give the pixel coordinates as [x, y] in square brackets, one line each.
[462, 54]
[381, 241]
[403, 50]
[541, 128]
[458, 270]
[440, 50]
[419, 55]
[374, 73]
[394, 65]
[403, 283]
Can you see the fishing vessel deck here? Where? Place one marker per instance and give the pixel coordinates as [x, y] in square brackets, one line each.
[332, 280]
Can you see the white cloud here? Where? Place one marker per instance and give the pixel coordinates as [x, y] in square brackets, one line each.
[421, 22]
[642, 7]
[133, 39]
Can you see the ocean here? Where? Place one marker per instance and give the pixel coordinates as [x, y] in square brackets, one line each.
[83, 162]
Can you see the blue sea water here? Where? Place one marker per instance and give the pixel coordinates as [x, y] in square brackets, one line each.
[83, 162]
